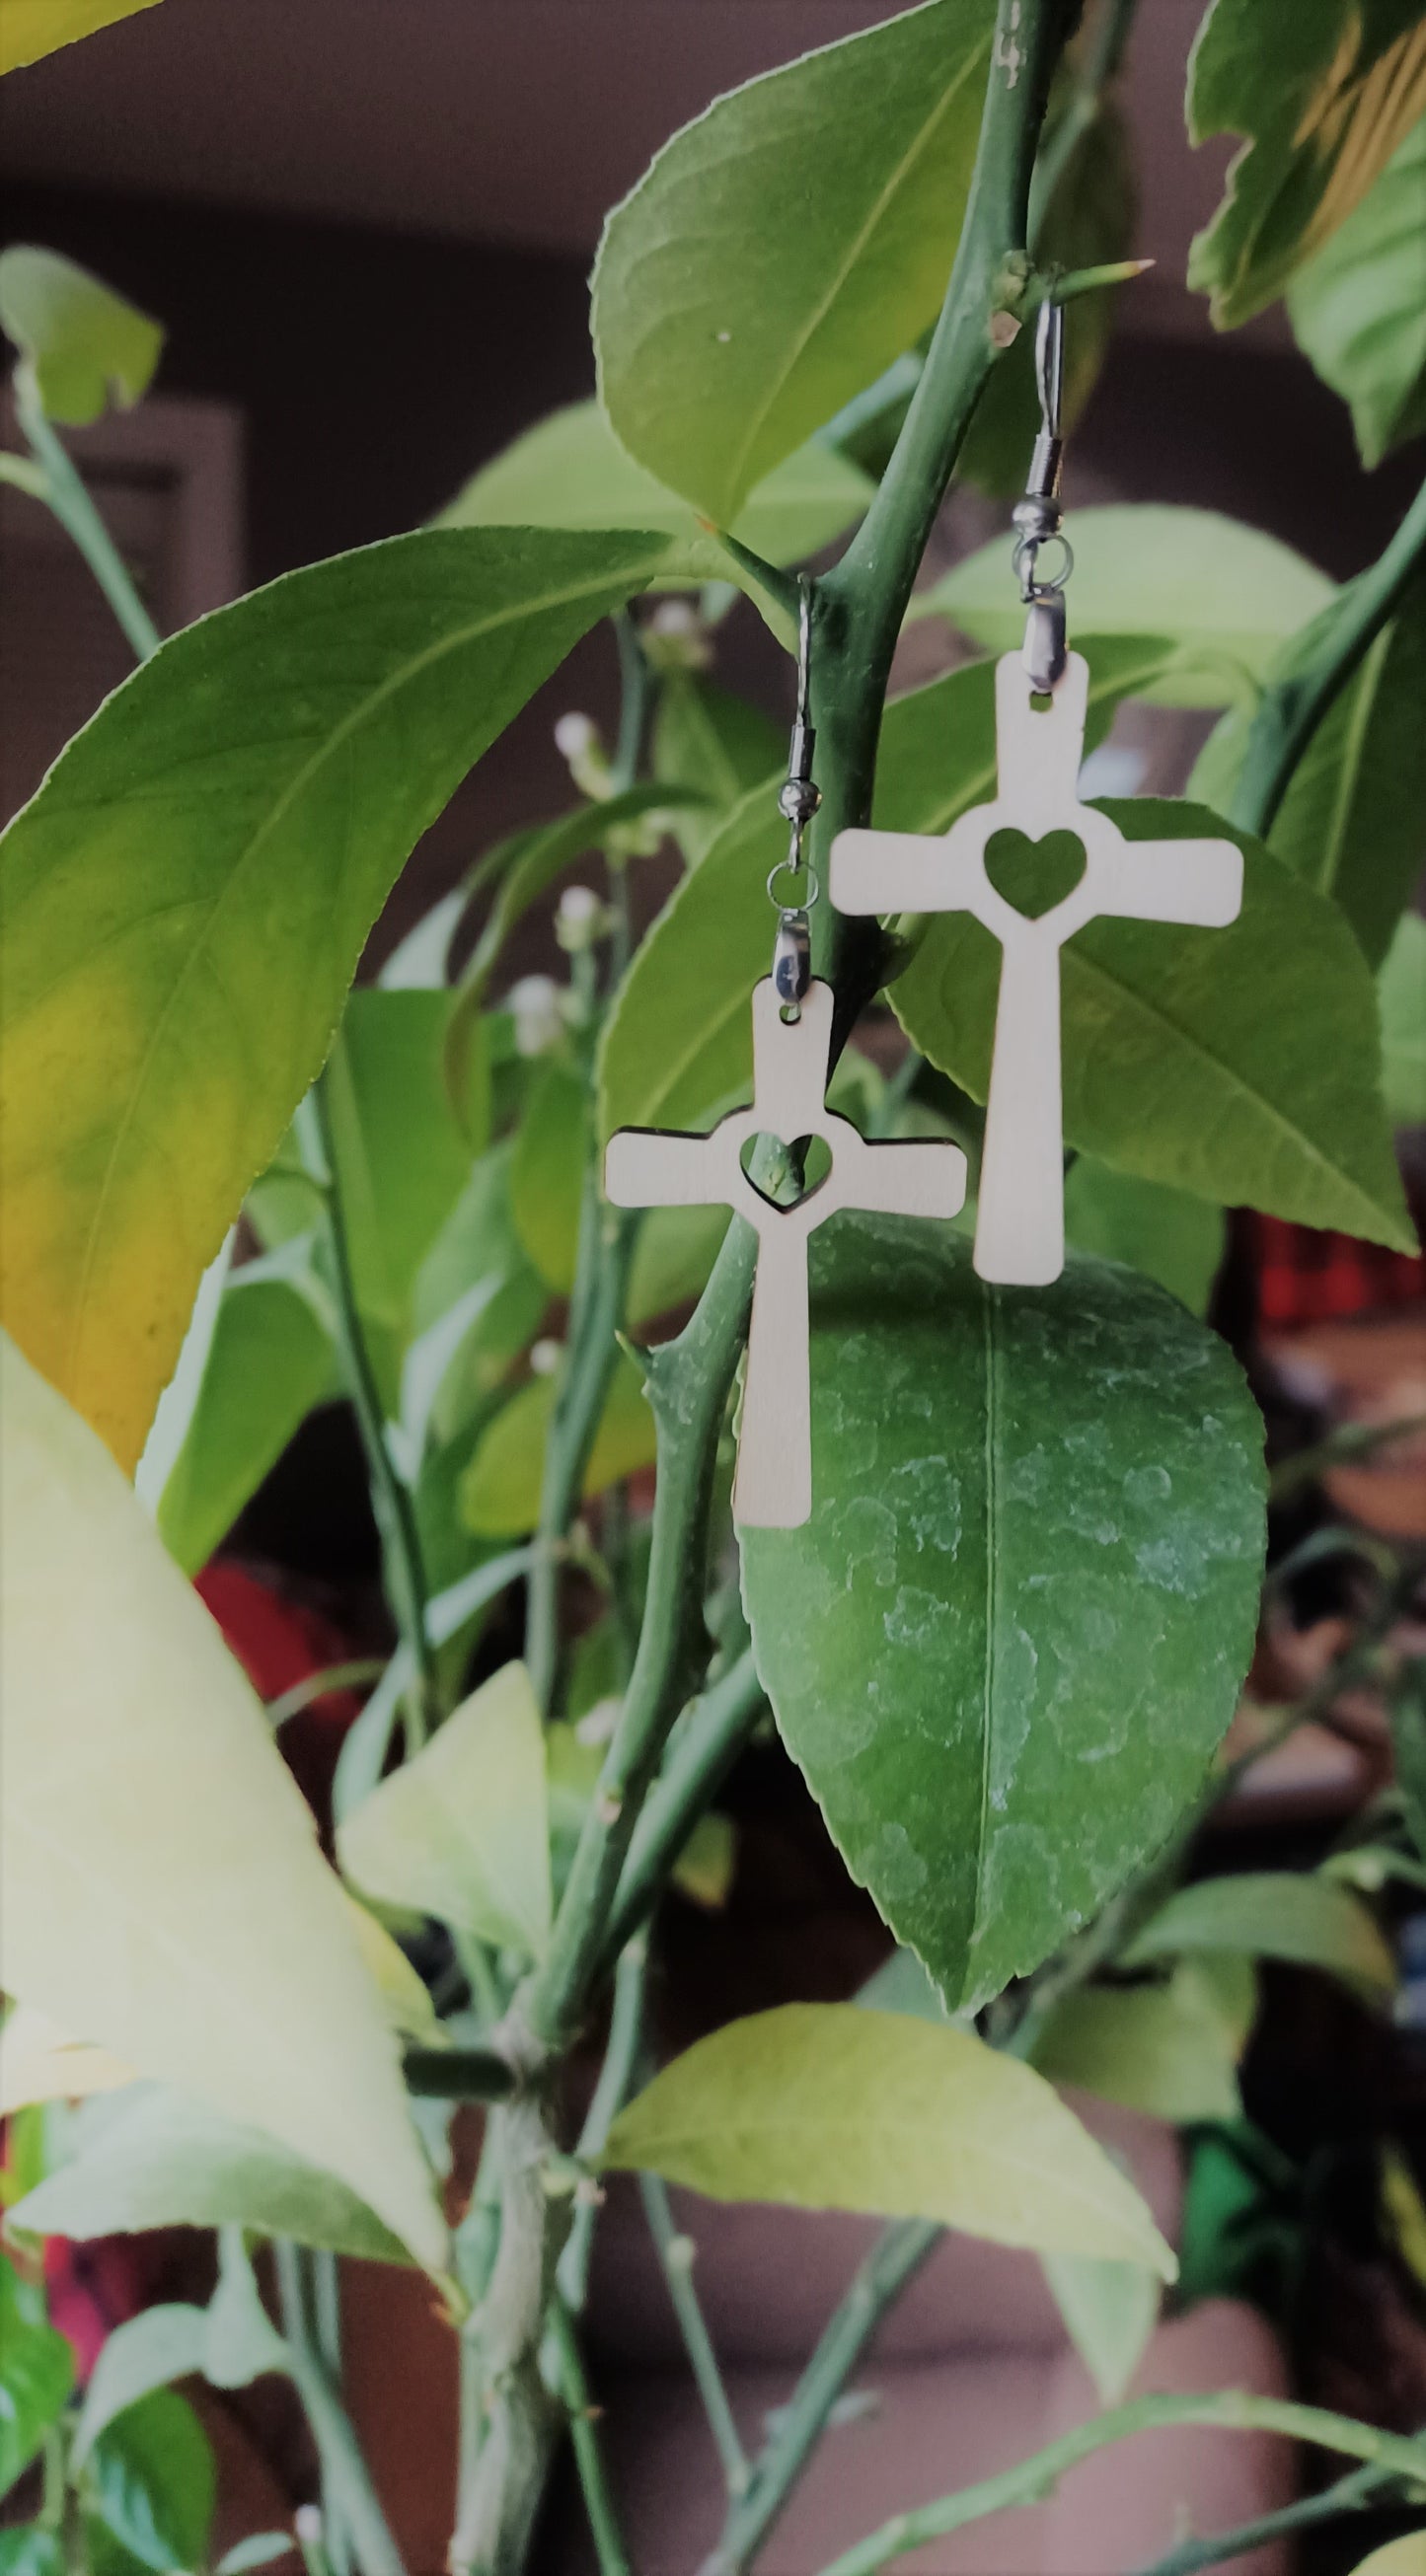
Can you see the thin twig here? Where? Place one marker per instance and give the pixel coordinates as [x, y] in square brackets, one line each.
[599, 2505]
[711, 1737]
[676, 2256]
[64, 492]
[1350, 2495]
[344, 2471]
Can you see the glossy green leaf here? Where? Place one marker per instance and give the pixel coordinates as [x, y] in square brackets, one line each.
[461, 1830]
[1351, 822]
[1358, 310]
[32, 28]
[269, 1363]
[156, 2157]
[570, 471]
[402, 1159]
[1170, 1236]
[1162, 2049]
[783, 248]
[677, 1045]
[1271, 1914]
[1007, 1641]
[162, 1889]
[500, 1490]
[1401, 994]
[150, 2486]
[203, 865]
[1321, 109]
[1197, 1057]
[1228, 596]
[85, 345]
[823, 2106]
[36, 2373]
[1110, 2310]
[141, 2353]
[1089, 220]
[547, 1173]
[706, 738]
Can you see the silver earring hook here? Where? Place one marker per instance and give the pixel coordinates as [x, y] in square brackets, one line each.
[1036, 516]
[798, 799]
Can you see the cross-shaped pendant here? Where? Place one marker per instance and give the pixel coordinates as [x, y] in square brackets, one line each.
[645, 1167]
[1020, 1219]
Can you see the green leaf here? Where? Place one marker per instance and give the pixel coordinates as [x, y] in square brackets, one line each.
[823, 2106]
[1228, 595]
[30, 2549]
[1271, 1914]
[477, 1302]
[461, 1830]
[570, 471]
[150, 2486]
[500, 1490]
[402, 1160]
[84, 345]
[1404, 2557]
[239, 2341]
[142, 2353]
[1322, 109]
[162, 1888]
[547, 1173]
[1011, 1634]
[1358, 311]
[1196, 1057]
[1350, 823]
[1170, 1236]
[673, 1254]
[269, 1363]
[32, 28]
[156, 2157]
[1401, 993]
[259, 2550]
[785, 247]
[707, 739]
[1088, 221]
[1110, 2310]
[36, 2373]
[902, 1985]
[185, 899]
[1162, 2049]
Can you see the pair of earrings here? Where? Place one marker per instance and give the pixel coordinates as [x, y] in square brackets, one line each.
[1041, 696]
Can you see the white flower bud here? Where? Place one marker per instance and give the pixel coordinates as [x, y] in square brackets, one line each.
[534, 1005]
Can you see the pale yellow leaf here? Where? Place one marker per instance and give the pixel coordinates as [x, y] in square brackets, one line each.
[39, 2062]
[30, 28]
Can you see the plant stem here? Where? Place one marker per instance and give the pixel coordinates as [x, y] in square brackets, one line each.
[344, 2472]
[596, 1304]
[391, 1500]
[676, 2254]
[64, 492]
[1350, 2495]
[616, 2077]
[899, 2252]
[598, 2495]
[459, 2074]
[715, 1731]
[1292, 708]
[1228, 2410]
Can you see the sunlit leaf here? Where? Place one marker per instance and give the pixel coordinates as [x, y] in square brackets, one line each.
[39, 2062]
[160, 1872]
[31, 28]
[1031, 1569]
[85, 346]
[823, 2106]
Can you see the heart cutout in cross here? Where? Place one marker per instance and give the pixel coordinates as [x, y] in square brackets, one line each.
[786, 1175]
[1034, 876]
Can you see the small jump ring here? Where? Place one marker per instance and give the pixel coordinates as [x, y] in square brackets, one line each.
[1026, 566]
[793, 868]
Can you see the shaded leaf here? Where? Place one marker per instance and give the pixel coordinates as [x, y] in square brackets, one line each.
[823, 2106]
[1351, 823]
[150, 2486]
[739, 299]
[1031, 1569]
[160, 2158]
[547, 1173]
[1228, 595]
[1110, 2311]
[1401, 993]
[139, 2354]
[1173, 1238]
[402, 1160]
[31, 28]
[160, 1870]
[203, 863]
[1358, 310]
[461, 1830]
[36, 2374]
[706, 738]
[1197, 1057]
[85, 345]
[259, 2550]
[270, 1361]
[500, 1490]
[1161, 2049]
[1322, 110]
[1271, 1914]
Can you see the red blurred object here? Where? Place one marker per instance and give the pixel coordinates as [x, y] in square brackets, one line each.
[1304, 1277]
[279, 1642]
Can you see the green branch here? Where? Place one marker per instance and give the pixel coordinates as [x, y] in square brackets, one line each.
[600, 2509]
[601, 1273]
[676, 2253]
[61, 488]
[1350, 2495]
[1292, 708]
[708, 1744]
[1229, 2411]
[345, 2476]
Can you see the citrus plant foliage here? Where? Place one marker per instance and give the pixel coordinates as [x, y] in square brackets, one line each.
[1006, 1647]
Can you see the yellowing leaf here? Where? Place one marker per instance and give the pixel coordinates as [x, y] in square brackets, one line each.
[1404, 2557]
[409, 2008]
[162, 1890]
[462, 1831]
[30, 28]
[825, 2106]
[39, 2062]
